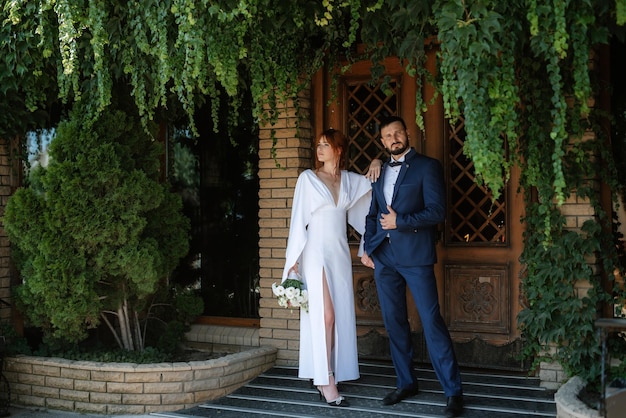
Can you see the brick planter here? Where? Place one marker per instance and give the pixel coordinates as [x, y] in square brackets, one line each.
[567, 403]
[127, 388]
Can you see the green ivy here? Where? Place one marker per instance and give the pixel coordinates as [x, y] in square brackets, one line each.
[479, 81]
[558, 262]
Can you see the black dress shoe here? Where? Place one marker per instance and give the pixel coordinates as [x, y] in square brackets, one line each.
[454, 407]
[400, 394]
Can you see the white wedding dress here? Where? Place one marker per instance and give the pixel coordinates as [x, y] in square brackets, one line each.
[318, 241]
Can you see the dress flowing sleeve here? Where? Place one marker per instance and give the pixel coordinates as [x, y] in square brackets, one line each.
[360, 197]
[300, 216]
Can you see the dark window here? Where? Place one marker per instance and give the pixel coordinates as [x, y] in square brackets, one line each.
[218, 182]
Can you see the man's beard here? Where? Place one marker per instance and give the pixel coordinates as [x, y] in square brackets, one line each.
[398, 151]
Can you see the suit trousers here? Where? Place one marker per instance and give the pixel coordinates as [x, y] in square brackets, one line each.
[391, 282]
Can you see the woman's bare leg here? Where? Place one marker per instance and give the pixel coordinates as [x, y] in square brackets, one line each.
[330, 391]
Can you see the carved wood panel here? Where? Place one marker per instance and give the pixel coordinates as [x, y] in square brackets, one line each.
[367, 307]
[477, 299]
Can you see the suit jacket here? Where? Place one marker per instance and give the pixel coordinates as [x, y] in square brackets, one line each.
[419, 199]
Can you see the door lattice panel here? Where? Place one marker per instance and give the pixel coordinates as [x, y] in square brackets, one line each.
[473, 219]
[366, 105]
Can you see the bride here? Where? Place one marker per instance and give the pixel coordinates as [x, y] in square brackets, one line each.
[324, 199]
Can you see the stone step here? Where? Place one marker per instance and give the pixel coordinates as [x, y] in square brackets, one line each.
[279, 392]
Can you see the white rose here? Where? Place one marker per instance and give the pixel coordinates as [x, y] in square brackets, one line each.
[290, 292]
[278, 290]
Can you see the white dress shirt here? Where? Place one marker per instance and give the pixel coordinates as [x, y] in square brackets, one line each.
[391, 175]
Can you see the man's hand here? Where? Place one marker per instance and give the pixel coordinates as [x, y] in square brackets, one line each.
[388, 220]
[367, 261]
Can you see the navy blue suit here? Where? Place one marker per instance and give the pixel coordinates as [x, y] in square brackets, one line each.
[405, 256]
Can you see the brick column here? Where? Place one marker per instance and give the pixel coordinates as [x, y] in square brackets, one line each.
[10, 165]
[279, 167]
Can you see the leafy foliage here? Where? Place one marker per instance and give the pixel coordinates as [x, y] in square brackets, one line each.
[479, 80]
[96, 232]
[550, 286]
[189, 49]
[28, 76]
[11, 342]
[554, 149]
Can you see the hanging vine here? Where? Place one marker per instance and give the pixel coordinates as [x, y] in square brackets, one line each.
[559, 163]
[478, 45]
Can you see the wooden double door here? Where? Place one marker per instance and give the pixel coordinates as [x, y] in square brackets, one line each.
[478, 271]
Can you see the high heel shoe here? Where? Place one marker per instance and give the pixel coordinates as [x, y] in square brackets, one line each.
[340, 401]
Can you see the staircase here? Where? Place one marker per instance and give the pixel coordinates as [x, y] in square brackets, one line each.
[279, 393]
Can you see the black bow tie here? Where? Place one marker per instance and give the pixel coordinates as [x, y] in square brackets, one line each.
[395, 163]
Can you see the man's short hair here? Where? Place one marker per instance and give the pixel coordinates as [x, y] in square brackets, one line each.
[388, 120]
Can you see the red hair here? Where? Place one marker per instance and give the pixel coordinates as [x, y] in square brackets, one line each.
[339, 143]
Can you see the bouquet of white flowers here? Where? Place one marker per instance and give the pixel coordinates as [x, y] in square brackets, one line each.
[291, 293]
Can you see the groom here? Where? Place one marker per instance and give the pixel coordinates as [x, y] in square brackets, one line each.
[408, 201]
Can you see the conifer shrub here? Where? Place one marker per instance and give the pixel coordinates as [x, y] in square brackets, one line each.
[96, 233]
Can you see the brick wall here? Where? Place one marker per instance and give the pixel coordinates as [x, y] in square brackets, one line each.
[8, 182]
[277, 177]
